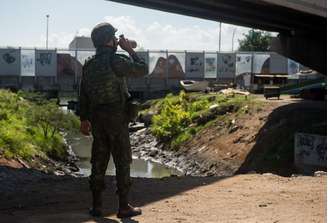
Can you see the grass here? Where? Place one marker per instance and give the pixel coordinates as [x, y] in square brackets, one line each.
[180, 117]
[24, 123]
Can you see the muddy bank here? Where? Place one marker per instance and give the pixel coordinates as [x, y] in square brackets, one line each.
[145, 146]
[45, 164]
[251, 142]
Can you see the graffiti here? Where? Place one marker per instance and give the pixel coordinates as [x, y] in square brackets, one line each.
[306, 140]
[175, 70]
[195, 61]
[261, 63]
[210, 65]
[195, 65]
[243, 63]
[8, 58]
[226, 65]
[293, 67]
[46, 63]
[45, 58]
[310, 149]
[27, 61]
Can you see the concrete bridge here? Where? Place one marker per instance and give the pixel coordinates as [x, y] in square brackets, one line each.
[302, 24]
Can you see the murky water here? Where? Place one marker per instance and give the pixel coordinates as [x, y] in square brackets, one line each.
[81, 146]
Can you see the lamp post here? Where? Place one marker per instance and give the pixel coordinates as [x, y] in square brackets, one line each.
[220, 38]
[219, 70]
[233, 37]
[47, 31]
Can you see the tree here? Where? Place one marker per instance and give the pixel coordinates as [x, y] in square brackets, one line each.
[255, 41]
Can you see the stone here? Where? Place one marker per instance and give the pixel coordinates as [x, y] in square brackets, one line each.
[320, 173]
[153, 153]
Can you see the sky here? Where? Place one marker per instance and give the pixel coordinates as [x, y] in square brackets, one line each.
[23, 24]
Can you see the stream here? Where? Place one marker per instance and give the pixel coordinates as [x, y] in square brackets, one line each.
[81, 146]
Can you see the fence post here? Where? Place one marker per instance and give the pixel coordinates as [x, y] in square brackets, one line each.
[147, 77]
[167, 70]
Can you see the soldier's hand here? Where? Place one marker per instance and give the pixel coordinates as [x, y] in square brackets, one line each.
[85, 127]
[125, 44]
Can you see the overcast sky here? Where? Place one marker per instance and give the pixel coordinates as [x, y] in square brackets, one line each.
[23, 23]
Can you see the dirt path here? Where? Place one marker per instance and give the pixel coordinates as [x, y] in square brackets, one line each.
[30, 196]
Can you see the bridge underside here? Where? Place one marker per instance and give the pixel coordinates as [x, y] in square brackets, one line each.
[302, 25]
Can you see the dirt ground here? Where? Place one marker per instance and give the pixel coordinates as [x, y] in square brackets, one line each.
[242, 198]
[30, 196]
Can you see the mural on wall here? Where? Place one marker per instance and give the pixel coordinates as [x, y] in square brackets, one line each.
[210, 65]
[174, 71]
[261, 64]
[310, 149]
[293, 67]
[28, 63]
[10, 62]
[67, 65]
[144, 56]
[46, 63]
[194, 65]
[278, 64]
[243, 63]
[226, 65]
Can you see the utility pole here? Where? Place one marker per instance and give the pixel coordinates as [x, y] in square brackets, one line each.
[233, 37]
[220, 38]
[217, 78]
[47, 30]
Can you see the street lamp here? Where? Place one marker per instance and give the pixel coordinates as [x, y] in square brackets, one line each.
[47, 31]
[233, 37]
[220, 38]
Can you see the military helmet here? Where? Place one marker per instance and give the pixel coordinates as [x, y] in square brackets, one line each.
[102, 34]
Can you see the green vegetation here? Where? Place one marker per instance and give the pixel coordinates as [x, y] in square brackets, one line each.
[255, 41]
[32, 127]
[180, 117]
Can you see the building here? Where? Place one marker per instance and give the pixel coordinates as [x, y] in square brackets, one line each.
[81, 43]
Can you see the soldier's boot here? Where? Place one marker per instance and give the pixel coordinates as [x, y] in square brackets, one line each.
[96, 210]
[126, 210]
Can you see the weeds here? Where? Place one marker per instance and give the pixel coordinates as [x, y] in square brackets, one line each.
[32, 128]
[180, 117]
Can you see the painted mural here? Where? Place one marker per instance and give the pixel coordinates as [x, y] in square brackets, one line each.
[9, 62]
[194, 65]
[27, 63]
[174, 71]
[46, 63]
[226, 65]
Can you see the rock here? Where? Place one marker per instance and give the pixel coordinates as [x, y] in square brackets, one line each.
[320, 173]
[267, 174]
[233, 129]
[153, 153]
[59, 173]
[213, 107]
[136, 127]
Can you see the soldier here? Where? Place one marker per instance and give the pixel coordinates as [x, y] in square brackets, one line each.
[103, 97]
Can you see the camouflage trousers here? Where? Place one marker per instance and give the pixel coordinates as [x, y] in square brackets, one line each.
[110, 137]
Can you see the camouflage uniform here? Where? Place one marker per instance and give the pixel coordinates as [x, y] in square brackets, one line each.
[103, 95]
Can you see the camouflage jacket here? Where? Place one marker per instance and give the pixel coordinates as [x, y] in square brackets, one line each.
[104, 79]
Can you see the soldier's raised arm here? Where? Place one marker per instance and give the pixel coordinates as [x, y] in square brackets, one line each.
[123, 66]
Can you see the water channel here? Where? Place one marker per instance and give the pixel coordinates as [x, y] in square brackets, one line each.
[81, 146]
